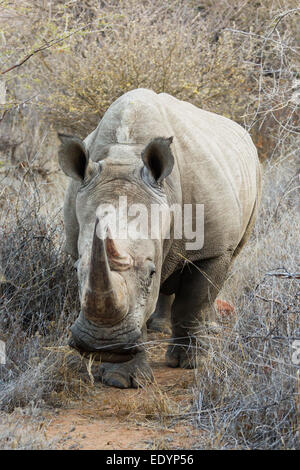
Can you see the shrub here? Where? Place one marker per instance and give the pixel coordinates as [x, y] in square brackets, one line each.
[239, 60]
[38, 303]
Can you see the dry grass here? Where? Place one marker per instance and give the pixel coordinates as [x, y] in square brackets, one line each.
[157, 407]
[38, 303]
[247, 394]
[239, 59]
[15, 433]
[162, 443]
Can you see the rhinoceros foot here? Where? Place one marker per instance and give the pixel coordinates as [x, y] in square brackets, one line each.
[189, 352]
[157, 324]
[182, 355]
[132, 374]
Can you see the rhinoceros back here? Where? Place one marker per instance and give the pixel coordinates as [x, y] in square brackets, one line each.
[216, 161]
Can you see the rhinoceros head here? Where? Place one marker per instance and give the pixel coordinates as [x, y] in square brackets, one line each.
[119, 276]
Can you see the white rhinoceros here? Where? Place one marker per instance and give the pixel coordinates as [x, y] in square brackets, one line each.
[155, 151]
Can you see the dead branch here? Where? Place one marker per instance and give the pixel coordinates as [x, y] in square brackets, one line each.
[268, 300]
[49, 44]
[280, 17]
[285, 275]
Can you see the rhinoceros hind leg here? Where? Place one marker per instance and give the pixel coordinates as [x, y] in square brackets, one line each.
[189, 352]
[160, 320]
[132, 374]
[193, 314]
[182, 356]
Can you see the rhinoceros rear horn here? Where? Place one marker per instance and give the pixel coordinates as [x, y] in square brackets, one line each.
[158, 158]
[73, 156]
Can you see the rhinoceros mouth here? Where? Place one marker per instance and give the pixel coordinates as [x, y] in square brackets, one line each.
[87, 339]
[103, 354]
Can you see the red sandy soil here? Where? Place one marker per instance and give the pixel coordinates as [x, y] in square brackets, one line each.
[158, 416]
[150, 418]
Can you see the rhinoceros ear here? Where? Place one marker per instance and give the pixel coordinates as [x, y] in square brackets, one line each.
[73, 156]
[158, 158]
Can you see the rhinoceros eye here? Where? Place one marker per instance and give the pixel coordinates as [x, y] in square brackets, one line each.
[152, 270]
[76, 264]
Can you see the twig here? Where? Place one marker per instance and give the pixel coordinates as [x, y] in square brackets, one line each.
[3, 115]
[268, 300]
[263, 38]
[285, 275]
[282, 15]
[44, 47]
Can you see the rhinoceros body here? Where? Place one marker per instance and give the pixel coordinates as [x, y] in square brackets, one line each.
[154, 149]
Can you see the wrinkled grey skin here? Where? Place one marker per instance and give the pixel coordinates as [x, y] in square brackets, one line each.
[210, 160]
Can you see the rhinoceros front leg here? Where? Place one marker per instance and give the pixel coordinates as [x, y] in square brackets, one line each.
[131, 374]
[193, 314]
[160, 320]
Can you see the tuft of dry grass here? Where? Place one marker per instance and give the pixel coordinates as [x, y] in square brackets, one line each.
[162, 443]
[156, 406]
[16, 434]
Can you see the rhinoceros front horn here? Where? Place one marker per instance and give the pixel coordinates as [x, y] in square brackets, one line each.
[105, 296]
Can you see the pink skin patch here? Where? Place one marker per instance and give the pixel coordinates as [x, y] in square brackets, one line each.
[224, 308]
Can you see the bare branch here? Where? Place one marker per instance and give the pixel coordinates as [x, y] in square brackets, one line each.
[285, 275]
[282, 15]
[49, 44]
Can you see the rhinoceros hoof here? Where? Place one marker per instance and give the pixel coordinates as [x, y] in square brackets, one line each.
[132, 374]
[155, 324]
[184, 356]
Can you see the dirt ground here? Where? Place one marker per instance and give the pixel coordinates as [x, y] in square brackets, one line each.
[151, 418]
[160, 416]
